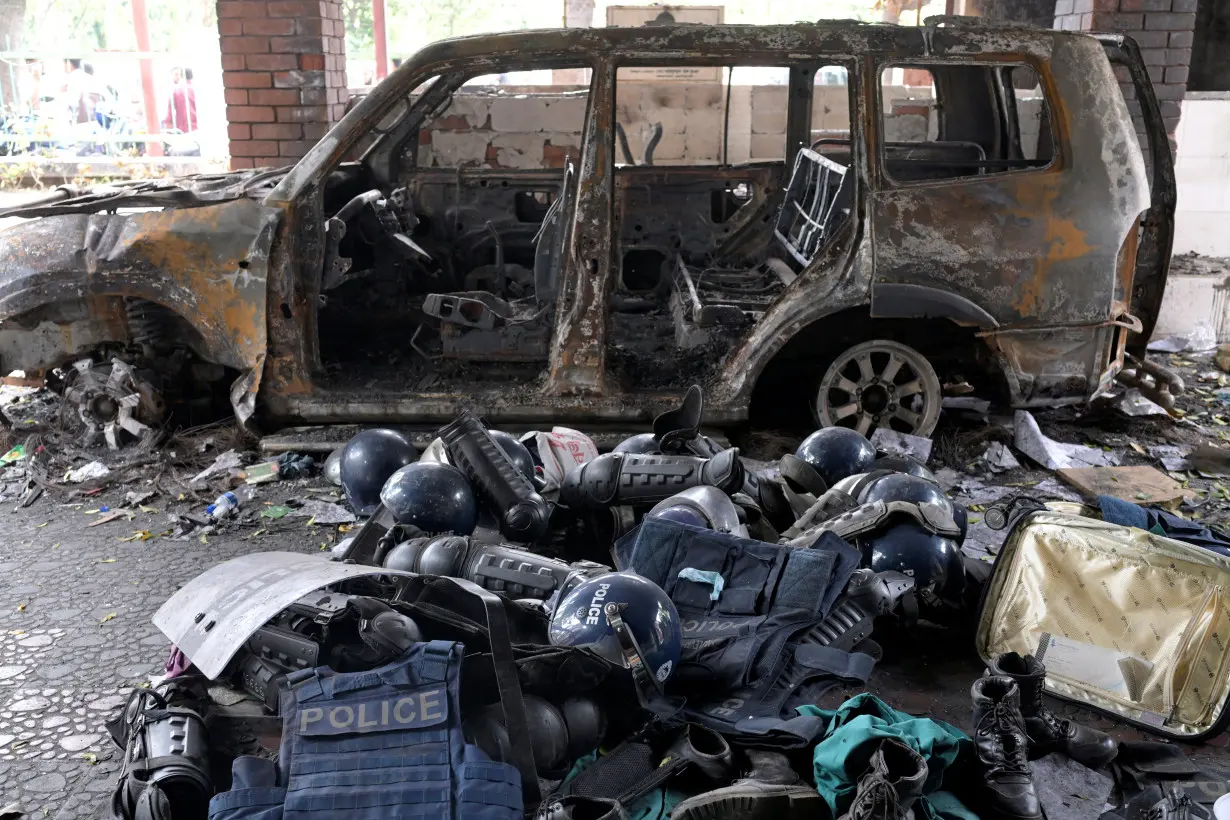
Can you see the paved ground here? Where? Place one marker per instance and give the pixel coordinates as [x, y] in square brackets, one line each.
[76, 634]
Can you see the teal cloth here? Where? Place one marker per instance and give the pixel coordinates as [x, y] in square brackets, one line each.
[855, 730]
[657, 805]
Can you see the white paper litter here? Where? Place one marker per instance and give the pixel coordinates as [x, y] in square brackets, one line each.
[324, 512]
[999, 458]
[1056, 455]
[562, 450]
[902, 444]
[1132, 403]
[88, 472]
[222, 464]
[1201, 337]
[1172, 456]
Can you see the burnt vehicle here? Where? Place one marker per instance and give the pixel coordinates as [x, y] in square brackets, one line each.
[834, 219]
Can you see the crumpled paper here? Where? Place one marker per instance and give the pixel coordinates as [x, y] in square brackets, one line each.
[1056, 455]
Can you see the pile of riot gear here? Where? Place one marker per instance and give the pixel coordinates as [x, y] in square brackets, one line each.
[485, 632]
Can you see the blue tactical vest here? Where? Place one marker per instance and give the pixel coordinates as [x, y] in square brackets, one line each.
[378, 745]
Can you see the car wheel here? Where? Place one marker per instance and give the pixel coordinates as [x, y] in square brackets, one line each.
[880, 383]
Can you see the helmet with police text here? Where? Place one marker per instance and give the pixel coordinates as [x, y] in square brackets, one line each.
[367, 461]
[642, 444]
[933, 561]
[434, 497]
[904, 464]
[837, 452]
[627, 619]
[702, 506]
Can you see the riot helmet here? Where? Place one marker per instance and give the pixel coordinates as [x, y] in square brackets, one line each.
[903, 487]
[702, 506]
[904, 464]
[642, 444]
[837, 452]
[367, 462]
[933, 561]
[333, 466]
[434, 497]
[627, 619]
[960, 515]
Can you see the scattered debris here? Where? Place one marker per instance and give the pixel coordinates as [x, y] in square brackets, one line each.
[93, 470]
[275, 512]
[1141, 485]
[133, 498]
[1172, 457]
[111, 516]
[260, 473]
[999, 458]
[322, 512]
[1055, 455]
[1222, 357]
[16, 454]
[224, 463]
[1210, 460]
[1200, 338]
[902, 444]
[1132, 403]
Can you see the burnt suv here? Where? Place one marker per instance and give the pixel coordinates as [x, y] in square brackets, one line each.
[831, 219]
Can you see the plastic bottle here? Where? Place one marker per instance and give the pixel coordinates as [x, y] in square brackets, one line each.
[223, 506]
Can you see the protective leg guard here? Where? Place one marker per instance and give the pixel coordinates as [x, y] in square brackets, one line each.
[501, 568]
[625, 478]
[524, 514]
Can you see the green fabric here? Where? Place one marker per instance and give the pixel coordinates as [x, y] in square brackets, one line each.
[855, 730]
[657, 805]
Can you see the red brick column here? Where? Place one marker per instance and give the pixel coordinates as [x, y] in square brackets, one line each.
[283, 74]
[1162, 28]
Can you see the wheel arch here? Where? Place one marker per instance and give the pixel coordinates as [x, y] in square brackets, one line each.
[790, 377]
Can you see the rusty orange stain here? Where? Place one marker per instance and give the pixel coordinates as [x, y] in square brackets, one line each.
[1063, 241]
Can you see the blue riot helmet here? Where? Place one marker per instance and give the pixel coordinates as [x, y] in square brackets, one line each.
[933, 561]
[961, 516]
[904, 464]
[903, 487]
[702, 506]
[627, 619]
[642, 444]
[434, 497]
[517, 452]
[367, 461]
[837, 452]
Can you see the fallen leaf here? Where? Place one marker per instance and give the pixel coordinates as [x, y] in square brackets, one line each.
[258, 532]
[1138, 448]
[203, 539]
[106, 618]
[181, 497]
[40, 526]
[21, 607]
[105, 561]
[1143, 496]
[146, 509]
[90, 758]
[323, 546]
[311, 522]
[346, 527]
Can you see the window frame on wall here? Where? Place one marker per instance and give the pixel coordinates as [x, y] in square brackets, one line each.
[880, 149]
[726, 70]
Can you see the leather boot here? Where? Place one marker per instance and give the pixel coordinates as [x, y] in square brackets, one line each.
[581, 808]
[706, 750]
[1007, 786]
[893, 781]
[772, 790]
[1047, 732]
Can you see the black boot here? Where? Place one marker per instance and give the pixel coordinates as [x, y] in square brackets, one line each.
[893, 781]
[1007, 787]
[772, 790]
[1048, 733]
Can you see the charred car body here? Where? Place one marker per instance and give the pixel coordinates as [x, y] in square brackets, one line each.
[392, 276]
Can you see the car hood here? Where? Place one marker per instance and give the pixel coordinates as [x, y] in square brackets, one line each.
[182, 192]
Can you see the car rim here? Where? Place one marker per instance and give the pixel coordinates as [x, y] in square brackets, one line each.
[880, 384]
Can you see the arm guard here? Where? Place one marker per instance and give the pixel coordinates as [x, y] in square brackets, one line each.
[624, 478]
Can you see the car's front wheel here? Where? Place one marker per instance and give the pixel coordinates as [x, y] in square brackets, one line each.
[879, 383]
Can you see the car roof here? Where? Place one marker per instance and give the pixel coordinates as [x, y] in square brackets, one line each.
[949, 36]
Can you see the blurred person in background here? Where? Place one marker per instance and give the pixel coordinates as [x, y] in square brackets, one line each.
[181, 105]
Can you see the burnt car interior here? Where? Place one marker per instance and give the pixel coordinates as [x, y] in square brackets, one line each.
[445, 248]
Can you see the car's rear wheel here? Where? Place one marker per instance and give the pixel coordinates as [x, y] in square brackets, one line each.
[880, 383]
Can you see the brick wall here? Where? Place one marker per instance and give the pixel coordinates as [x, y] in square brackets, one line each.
[283, 75]
[1162, 28]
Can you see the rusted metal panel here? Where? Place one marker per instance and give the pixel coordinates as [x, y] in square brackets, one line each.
[207, 264]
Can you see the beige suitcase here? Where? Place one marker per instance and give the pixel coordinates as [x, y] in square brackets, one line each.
[1130, 623]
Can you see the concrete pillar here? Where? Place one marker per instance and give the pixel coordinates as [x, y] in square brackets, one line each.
[579, 13]
[283, 74]
[1162, 28]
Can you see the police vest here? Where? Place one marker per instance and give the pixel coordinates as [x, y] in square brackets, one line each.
[378, 745]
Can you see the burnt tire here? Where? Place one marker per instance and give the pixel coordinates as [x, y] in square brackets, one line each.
[879, 383]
